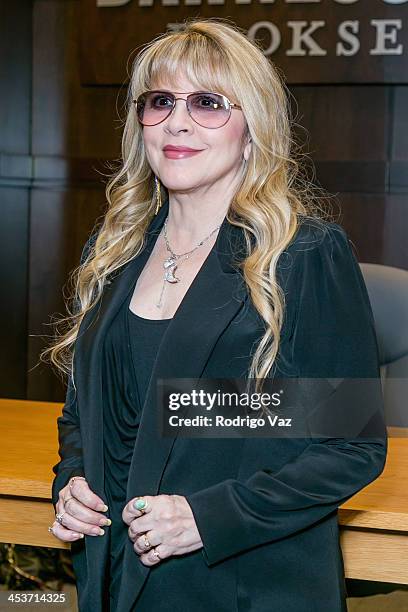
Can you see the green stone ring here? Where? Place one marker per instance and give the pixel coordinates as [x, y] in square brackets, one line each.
[140, 504]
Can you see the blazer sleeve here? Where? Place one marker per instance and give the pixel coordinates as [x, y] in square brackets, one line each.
[70, 446]
[332, 335]
[69, 434]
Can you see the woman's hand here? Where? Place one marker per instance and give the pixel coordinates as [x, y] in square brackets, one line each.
[81, 511]
[168, 524]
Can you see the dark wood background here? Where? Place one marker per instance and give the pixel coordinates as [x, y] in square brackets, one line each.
[56, 136]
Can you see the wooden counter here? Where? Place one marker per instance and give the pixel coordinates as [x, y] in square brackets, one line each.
[28, 450]
[374, 523]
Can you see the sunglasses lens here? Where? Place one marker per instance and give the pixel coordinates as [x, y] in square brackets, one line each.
[153, 107]
[208, 109]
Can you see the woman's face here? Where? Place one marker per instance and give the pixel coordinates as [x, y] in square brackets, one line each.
[221, 150]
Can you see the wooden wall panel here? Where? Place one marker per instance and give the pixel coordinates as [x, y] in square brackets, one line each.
[347, 131]
[377, 225]
[399, 133]
[14, 295]
[15, 87]
[69, 120]
[15, 77]
[399, 141]
[363, 218]
[395, 231]
[345, 123]
[55, 250]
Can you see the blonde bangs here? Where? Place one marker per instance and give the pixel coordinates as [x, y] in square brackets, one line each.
[195, 56]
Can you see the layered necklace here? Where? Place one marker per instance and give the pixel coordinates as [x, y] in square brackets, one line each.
[172, 262]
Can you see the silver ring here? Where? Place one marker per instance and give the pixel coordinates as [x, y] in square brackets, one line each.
[146, 541]
[58, 517]
[50, 529]
[154, 551]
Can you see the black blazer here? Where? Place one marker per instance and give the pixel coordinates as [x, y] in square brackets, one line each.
[266, 509]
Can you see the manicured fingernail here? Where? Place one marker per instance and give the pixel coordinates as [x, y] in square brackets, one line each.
[79, 535]
[102, 508]
[106, 522]
[101, 532]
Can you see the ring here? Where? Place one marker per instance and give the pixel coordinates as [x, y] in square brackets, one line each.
[50, 529]
[140, 504]
[58, 517]
[146, 541]
[154, 551]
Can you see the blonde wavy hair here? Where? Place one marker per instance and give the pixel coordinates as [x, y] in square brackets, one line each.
[217, 56]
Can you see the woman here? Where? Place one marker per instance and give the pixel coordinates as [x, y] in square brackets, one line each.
[211, 262]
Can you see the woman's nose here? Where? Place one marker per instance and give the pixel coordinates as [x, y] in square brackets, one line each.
[179, 118]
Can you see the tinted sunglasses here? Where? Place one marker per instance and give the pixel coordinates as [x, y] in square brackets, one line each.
[210, 110]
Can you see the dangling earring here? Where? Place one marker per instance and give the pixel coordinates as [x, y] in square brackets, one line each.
[158, 194]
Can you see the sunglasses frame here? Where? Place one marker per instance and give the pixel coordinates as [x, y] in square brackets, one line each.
[231, 105]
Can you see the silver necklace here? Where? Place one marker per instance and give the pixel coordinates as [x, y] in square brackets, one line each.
[171, 264]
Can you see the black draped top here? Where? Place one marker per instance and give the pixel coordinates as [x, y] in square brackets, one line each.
[130, 348]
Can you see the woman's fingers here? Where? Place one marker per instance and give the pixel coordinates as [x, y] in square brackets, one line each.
[79, 489]
[132, 510]
[64, 534]
[82, 513]
[70, 522]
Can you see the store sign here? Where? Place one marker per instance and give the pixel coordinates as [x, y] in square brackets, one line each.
[312, 41]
